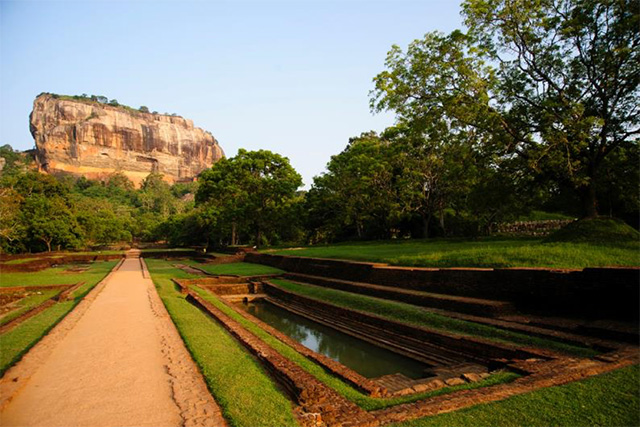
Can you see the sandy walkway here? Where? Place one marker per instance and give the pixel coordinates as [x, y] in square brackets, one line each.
[121, 364]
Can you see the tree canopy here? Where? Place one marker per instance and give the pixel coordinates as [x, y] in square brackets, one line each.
[250, 193]
[554, 82]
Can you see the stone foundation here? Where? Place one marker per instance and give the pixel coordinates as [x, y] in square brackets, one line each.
[477, 306]
[41, 263]
[589, 293]
[430, 346]
[319, 405]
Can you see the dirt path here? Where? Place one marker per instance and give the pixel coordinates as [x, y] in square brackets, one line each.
[121, 363]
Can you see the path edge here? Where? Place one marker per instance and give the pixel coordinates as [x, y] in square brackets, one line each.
[16, 377]
[190, 393]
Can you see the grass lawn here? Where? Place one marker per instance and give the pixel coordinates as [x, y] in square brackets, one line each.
[16, 342]
[486, 252]
[27, 303]
[611, 399]
[57, 275]
[236, 268]
[244, 391]
[412, 314]
[362, 400]
[26, 260]
[110, 252]
[48, 255]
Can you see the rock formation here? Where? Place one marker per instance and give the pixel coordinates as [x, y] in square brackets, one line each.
[84, 137]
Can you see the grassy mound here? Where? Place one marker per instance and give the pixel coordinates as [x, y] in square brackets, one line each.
[601, 230]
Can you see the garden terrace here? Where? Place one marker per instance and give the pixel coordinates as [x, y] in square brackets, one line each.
[37, 263]
[611, 293]
[469, 367]
[34, 301]
[592, 248]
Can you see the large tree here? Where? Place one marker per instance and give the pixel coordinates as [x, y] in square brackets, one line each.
[552, 81]
[568, 77]
[357, 192]
[249, 193]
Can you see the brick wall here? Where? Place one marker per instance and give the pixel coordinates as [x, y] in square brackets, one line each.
[592, 292]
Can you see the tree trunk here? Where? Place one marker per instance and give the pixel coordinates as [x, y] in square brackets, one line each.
[589, 201]
[258, 237]
[234, 237]
[426, 219]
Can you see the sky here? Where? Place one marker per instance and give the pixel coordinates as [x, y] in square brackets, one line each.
[292, 77]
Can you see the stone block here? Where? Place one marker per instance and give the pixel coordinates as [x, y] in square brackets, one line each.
[470, 377]
[454, 381]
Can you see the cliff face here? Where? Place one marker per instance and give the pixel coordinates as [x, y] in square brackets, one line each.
[95, 140]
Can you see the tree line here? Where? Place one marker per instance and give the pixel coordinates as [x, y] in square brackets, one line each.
[40, 212]
[536, 106]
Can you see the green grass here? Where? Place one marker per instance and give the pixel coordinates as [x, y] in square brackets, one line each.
[27, 303]
[47, 255]
[611, 399]
[364, 401]
[412, 314]
[241, 387]
[544, 216]
[487, 252]
[236, 268]
[57, 275]
[106, 252]
[219, 254]
[26, 260]
[596, 231]
[16, 342]
[166, 250]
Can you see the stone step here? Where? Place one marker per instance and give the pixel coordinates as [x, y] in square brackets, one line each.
[233, 288]
[614, 330]
[244, 297]
[477, 306]
[457, 370]
[395, 382]
[520, 323]
[409, 346]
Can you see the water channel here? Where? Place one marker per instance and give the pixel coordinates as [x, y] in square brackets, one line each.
[367, 359]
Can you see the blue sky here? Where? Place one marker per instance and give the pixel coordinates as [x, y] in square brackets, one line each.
[292, 77]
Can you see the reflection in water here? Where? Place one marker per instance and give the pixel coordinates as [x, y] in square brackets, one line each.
[367, 359]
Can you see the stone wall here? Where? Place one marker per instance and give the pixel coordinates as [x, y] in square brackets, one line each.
[532, 228]
[591, 293]
[365, 385]
[320, 405]
[476, 306]
[41, 263]
[430, 346]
